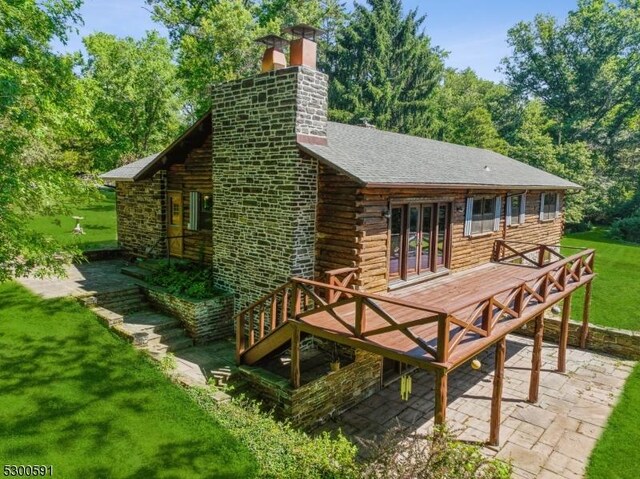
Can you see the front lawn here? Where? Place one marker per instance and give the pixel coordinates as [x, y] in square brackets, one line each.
[74, 396]
[99, 224]
[616, 289]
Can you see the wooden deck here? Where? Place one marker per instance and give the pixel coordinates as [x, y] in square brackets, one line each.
[438, 325]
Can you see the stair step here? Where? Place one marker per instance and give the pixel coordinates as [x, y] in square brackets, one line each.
[147, 320]
[170, 346]
[166, 335]
[111, 318]
[127, 305]
[136, 272]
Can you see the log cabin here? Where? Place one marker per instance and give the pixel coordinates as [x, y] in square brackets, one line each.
[401, 251]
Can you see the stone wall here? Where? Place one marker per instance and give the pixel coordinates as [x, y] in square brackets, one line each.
[327, 396]
[264, 194]
[205, 320]
[618, 342]
[140, 209]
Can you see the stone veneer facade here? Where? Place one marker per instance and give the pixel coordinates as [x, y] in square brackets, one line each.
[140, 208]
[265, 192]
[324, 397]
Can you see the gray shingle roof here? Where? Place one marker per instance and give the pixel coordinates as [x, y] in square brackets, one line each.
[377, 157]
[129, 171]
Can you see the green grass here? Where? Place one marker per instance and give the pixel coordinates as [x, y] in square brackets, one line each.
[74, 396]
[99, 224]
[614, 304]
[616, 288]
[616, 455]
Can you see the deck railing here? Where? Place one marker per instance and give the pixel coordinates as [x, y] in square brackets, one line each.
[531, 254]
[300, 298]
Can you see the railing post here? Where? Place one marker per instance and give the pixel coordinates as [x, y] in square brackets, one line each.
[361, 316]
[295, 357]
[261, 321]
[519, 300]
[443, 338]
[584, 332]
[274, 311]
[540, 256]
[487, 316]
[251, 327]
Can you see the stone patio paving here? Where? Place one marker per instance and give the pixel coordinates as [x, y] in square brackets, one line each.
[550, 439]
[84, 278]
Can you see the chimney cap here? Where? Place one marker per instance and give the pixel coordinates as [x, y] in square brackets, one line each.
[273, 41]
[304, 31]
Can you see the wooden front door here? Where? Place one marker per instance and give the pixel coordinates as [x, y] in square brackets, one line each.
[174, 222]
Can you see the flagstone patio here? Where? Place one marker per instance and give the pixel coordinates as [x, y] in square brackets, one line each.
[550, 439]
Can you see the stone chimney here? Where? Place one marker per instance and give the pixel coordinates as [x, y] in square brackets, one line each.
[264, 189]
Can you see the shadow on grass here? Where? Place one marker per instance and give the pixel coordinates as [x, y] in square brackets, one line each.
[75, 396]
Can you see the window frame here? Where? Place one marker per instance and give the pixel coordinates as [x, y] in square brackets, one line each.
[470, 230]
[549, 211]
[521, 216]
[434, 266]
[203, 225]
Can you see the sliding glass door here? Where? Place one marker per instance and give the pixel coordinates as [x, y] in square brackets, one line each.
[419, 239]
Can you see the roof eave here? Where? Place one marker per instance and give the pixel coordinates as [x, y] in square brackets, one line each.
[470, 186]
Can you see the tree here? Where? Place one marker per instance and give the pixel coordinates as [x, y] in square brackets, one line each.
[214, 40]
[133, 93]
[462, 112]
[35, 85]
[383, 68]
[586, 72]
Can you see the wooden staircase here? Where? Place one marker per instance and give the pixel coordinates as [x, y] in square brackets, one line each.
[266, 325]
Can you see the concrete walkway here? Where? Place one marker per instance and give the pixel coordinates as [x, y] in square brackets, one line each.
[550, 439]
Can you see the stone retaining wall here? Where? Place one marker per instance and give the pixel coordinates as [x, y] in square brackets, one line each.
[205, 320]
[618, 342]
[326, 396]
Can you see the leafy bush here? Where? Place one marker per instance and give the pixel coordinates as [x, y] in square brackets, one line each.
[626, 229]
[402, 453]
[185, 279]
[578, 227]
[282, 451]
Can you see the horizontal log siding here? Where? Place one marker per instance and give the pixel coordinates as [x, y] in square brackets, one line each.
[336, 239]
[370, 230]
[194, 174]
[534, 231]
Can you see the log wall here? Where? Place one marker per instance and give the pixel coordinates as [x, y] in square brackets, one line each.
[194, 174]
[353, 229]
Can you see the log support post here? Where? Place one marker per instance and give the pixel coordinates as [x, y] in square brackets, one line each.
[295, 357]
[536, 359]
[584, 332]
[564, 334]
[496, 399]
[441, 397]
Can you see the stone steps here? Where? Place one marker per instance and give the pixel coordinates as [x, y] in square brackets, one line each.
[170, 345]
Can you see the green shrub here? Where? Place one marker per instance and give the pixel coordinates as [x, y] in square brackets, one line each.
[281, 451]
[185, 279]
[403, 453]
[578, 227]
[626, 229]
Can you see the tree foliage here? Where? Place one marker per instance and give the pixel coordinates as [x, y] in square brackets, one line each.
[383, 68]
[131, 91]
[35, 86]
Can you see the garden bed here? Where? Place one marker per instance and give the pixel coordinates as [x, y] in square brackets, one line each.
[204, 319]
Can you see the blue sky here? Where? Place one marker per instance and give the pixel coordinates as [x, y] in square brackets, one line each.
[473, 31]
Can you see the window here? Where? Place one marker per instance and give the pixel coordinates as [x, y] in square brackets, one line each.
[515, 210]
[200, 209]
[482, 215]
[419, 237]
[206, 210]
[549, 206]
